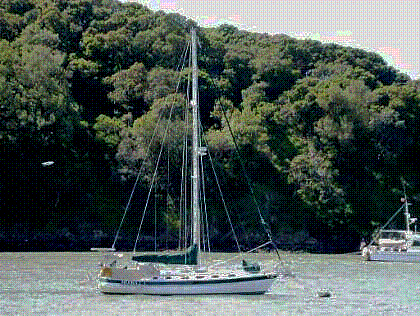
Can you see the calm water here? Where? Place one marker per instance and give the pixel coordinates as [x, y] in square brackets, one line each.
[64, 284]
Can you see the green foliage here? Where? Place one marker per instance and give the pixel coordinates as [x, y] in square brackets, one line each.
[321, 128]
[109, 129]
[160, 83]
[129, 85]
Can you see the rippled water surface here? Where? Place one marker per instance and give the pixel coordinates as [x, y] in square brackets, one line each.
[65, 284]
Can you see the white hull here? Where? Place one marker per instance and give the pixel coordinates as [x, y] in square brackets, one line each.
[394, 256]
[257, 283]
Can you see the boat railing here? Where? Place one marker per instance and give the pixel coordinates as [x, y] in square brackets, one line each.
[240, 255]
[392, 231]
[392, 234]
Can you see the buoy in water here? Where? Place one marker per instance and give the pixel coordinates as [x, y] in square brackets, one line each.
[324, 293]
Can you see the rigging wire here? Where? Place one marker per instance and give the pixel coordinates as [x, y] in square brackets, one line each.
[155, 211]
[183, 200]
[204, 213]
[183, 204]
[168, 197]
[135, 185]
[180, 67]
[183, 186]
[224, 202]
[264, 224]
[151, 186]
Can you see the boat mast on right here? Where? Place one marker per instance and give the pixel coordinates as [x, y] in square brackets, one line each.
[395, 245]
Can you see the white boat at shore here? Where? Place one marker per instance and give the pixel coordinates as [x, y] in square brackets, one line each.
[395, 245]
[151, 280]
[184, 273]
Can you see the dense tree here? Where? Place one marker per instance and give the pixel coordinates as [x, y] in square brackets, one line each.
[325, 132]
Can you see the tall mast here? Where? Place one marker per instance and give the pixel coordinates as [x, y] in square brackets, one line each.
[195, 149]
[406, 213]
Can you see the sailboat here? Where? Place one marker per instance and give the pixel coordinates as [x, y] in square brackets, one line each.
[395, 245]
[185, 273]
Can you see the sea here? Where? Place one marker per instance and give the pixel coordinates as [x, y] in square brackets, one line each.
[64, 283]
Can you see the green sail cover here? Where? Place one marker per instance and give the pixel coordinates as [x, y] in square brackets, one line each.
[189, 257]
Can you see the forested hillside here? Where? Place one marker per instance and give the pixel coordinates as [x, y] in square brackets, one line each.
[328, 134]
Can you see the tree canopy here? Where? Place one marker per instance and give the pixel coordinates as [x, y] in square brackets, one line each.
[327, 133]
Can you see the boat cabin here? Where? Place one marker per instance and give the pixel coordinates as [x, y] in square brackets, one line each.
[393, 240]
